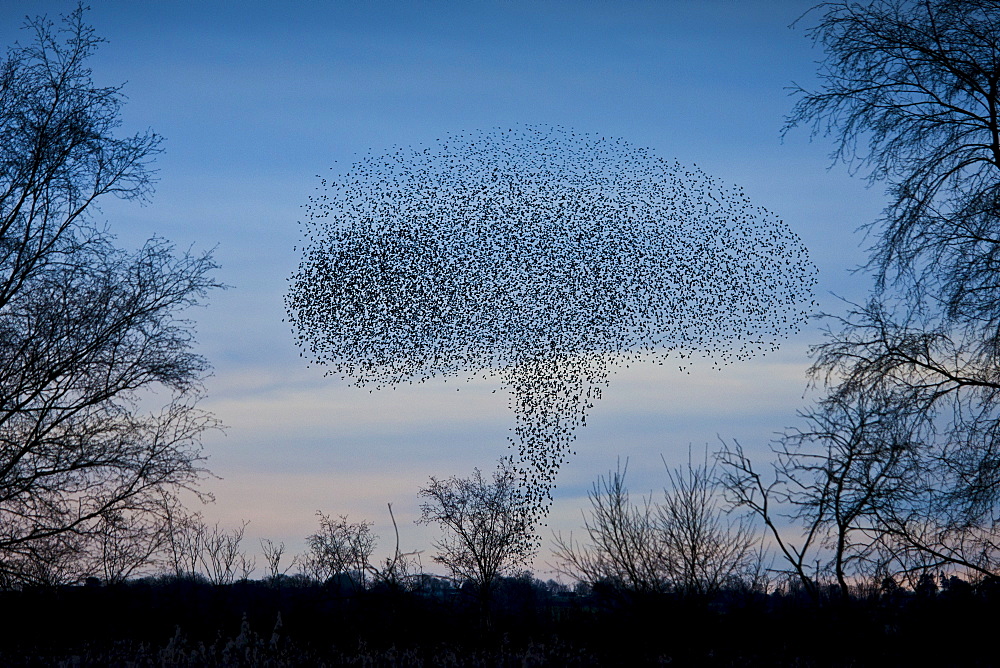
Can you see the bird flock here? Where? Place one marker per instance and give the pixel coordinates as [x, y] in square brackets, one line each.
[544, 258]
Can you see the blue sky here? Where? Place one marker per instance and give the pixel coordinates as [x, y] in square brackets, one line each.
[255, 99]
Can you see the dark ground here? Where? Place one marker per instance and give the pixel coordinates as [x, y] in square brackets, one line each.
[171, 622]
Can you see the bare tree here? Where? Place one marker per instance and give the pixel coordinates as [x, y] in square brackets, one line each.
[746, 488]
[85, 327]
[272, 556]
[705, 547]
[56, 560]
[340, 548]
[941, 416]
[185, 540]
[126, 543]
[911, 93]
[624, 547]
[685, 543]
[487, 526]
[833, 482]
[193, 549]
[222, 557]
[857, 492]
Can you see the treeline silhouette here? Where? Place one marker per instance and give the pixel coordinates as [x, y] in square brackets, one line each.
[677, 580]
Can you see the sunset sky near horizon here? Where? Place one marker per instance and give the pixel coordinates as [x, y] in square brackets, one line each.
[256, 99]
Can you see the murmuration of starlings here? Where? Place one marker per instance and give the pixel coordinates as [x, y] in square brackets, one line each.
[544, 258]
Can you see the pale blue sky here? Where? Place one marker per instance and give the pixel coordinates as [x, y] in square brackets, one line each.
[257, 98]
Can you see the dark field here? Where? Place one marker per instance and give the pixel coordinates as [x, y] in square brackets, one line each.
[171, 622]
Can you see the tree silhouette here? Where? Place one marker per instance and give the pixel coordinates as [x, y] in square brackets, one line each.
[85, 327]
[339, 549]
[545, 258]
[910, 94]
[487, 527]
[685, 543]
[833, 478]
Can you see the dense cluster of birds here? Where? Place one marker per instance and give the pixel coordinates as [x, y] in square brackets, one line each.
[544, 258]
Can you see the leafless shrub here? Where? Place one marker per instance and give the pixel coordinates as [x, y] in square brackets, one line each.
[624, 546]
[185, 541]
[704, 546]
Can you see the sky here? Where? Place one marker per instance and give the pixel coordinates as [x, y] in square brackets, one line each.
[257, 99]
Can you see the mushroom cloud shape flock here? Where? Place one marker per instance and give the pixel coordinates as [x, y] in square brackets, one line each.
[544, 258]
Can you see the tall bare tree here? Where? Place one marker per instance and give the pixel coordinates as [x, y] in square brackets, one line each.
[85, 327]
[910, 91]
